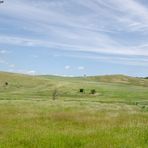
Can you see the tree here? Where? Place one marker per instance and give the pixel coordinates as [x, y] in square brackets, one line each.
[93, 91]
[81, 90]
[55, 94]
[6, 83]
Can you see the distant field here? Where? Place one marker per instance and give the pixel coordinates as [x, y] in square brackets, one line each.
[115, 117]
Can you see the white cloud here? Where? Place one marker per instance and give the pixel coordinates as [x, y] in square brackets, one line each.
[3, 52]
[112, 47]
[31, 72]
[81, 68]
[95, 26]
[12, 65]
[123, 60]
[67, 67]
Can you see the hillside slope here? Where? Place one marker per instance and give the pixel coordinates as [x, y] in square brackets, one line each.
[108, 88]
[23, 86]
[120, 79]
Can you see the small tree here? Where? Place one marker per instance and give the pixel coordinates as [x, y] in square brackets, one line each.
[55, 94]
[93, 91]
[81, 90]
[6, 83]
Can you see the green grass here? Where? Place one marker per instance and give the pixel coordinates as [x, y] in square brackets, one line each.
[115, 117]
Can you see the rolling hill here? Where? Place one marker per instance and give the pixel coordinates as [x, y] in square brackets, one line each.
[120, 79]
[115, 116]
[108, 88]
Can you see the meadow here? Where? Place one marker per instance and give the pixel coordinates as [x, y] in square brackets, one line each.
[116, 116]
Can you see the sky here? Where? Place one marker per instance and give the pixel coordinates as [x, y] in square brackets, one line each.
[74, 37]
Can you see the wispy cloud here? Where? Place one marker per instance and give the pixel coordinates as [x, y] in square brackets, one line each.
[2, 61]
[111, 27]
[12, 65]
[2, 51]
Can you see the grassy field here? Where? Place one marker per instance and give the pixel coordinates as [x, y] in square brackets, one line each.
[115, 117]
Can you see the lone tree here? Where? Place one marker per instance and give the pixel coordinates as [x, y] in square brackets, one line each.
[6, 83]
[93, 91]
[55, 94]
[82, 90]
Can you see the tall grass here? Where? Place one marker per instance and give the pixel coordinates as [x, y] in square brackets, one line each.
[59, 124]
[116, 116]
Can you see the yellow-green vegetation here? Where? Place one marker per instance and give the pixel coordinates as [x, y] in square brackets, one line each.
[116, 116]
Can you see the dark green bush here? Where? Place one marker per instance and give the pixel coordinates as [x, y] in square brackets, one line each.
[93, 91]
[82, 90]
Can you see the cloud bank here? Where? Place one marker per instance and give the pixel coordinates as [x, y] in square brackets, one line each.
[113, 27]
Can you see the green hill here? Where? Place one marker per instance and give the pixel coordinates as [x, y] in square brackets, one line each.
[115, 116]
[108, 88]
[120, 79]
[22, 86]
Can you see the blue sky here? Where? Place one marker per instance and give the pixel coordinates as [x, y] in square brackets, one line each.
[74, 37]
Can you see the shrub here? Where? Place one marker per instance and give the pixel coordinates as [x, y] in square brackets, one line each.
[6, 83]
[93, 91]
[81, 90]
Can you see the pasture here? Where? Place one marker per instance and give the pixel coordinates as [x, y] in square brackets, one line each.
[116, 116]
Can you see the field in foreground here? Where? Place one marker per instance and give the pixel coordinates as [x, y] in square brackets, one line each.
[115, 117]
